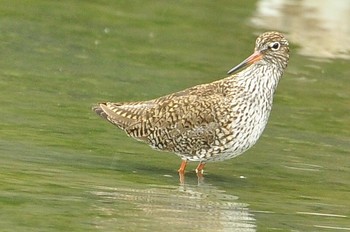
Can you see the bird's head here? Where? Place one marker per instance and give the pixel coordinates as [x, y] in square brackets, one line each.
[271, 48]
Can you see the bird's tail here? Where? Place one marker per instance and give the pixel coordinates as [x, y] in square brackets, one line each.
[98, 110]
[127, 116]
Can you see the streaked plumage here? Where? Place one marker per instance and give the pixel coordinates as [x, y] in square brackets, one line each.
[209, 122]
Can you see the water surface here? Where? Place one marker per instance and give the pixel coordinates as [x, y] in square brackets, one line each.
[64, 169]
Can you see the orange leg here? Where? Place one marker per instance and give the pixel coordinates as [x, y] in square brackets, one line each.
[182, 167]
[200, 168]
[199, 171]
[182, 171]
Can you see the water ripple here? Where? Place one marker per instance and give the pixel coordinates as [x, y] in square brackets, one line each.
[170, 208]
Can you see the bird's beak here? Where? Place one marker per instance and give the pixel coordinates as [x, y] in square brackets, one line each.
[256, 56]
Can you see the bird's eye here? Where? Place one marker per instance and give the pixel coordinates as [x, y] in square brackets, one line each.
[275, 46]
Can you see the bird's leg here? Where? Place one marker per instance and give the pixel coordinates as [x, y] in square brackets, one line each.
[182, 171]
[200, 168]
[199, 171]
[182, 167]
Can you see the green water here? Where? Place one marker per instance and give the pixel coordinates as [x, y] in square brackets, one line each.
[64, 169]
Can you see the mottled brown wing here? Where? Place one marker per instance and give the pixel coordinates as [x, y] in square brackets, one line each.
[183, 125]
[125, 114]
[181, 122]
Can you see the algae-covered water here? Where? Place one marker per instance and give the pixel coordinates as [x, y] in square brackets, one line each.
[62, 168]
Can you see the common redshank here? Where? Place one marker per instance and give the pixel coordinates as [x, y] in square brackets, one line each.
[209, 122]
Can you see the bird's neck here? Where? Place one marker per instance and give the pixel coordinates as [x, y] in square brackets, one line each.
[259, 77]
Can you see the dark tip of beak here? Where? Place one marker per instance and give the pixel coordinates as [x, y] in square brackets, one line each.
[237, 67]
[256, 56]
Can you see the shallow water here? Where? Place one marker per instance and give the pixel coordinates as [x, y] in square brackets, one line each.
[64, 169]
[174, 208]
